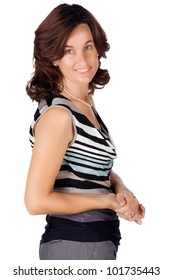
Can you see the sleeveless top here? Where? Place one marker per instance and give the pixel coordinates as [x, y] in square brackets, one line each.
[85, 169]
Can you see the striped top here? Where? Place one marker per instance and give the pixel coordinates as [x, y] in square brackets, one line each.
[85, 169]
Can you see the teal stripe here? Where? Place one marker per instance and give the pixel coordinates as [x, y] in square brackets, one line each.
[101, 166]
[86, 170]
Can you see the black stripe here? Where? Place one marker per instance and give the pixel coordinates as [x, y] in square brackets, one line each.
[92, 147]
[91, 154]
[37, 114]
[94, 138]
[65, 183]
[30, 131]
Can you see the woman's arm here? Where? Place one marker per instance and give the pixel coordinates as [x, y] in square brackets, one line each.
[132, 210]
[118, 185]
[53, 133]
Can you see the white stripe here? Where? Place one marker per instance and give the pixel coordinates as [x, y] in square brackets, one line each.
[89, 152]
[93, 144]
[90, 130]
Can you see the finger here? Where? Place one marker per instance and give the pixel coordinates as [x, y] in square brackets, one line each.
[138, 221]
[141, 215]
[141, 207]
[123, 209]
[141, 210]
[130, 197]
[134, 219]
[123, 217]
[127, 216]
[121, 200]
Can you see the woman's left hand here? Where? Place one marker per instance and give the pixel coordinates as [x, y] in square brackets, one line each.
[132, 210]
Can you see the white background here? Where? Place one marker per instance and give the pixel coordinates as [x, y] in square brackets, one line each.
[136, 106]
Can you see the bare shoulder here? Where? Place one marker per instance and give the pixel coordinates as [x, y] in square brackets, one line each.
[55, 120]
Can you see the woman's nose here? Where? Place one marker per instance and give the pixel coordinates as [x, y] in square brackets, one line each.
[81, 57]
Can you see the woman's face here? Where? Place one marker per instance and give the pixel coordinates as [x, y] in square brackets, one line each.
[80, 61]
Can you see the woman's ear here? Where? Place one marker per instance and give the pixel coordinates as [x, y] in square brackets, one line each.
[55, 63]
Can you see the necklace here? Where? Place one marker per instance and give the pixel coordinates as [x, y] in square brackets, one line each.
[88, 104]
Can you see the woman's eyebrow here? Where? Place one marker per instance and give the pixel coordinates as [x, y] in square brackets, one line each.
[70, 46]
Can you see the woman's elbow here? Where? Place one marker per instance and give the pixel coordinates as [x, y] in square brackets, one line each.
[33, 206]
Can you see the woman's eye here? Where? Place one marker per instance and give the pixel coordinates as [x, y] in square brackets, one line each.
[88, 47]
[69, 51]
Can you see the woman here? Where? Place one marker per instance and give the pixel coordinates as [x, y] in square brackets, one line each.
[70, 178]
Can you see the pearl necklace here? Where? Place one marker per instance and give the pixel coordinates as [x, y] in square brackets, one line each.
[88, 104]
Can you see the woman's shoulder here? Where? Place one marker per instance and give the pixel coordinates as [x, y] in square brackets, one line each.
[52, 112]
[47, 104]
[55, 118]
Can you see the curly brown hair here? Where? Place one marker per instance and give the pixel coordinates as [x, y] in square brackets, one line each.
[49, 44]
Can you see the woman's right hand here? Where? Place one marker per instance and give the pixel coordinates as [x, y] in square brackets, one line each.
[132, 210]
[115, 201]
[124, 204]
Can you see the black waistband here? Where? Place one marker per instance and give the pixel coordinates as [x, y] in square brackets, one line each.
[60, 228]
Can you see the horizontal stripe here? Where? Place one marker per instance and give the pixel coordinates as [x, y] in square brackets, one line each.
[96, 137]
[88, 176]
[86, 129]
[75, 180]
[89, 152]
[91, 216]
[83, 162]
[87, 170]
[65, 186]
[87, 158]
[103, 148]
[94, 149]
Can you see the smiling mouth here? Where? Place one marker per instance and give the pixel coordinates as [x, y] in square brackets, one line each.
[82, 70]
